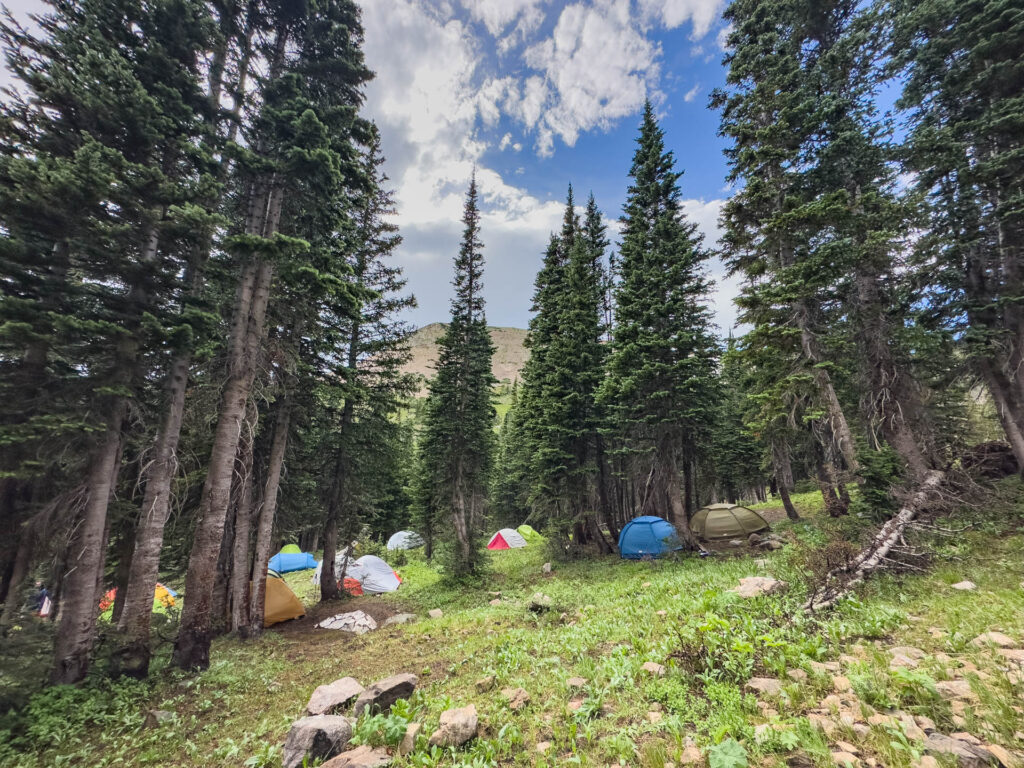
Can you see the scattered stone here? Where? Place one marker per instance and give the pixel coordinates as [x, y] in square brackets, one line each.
[841, 684]
[881, 720]
[755, 586]
[954, 689]
[399, 618]
[799, 761]
[770, 544]
[767, 686]
[907, 650]
[965, 586]
[329, 699]
[761, 563]
[576, 704]
[360, 757]
[827, 725]
[824, 667]
[485, 684]
[861, 730]
[845, 759]
[517, 698]
[457, 727]
[653, 668]
[997, 639]
[796, 675]
[845, 746]
[654, 717]
[157, 717]
[735, 542]
[691, 756]
[1003, 756]
[967, 755]
[655, 706]
[662, 613]
[382, 694]
[924, 723]
[412, 732]
[910, 728]
[315, 738]
[540, 602]
[495, 601]
[357, 622]
[546, 568]
[1012, 654]
[543, 746]
[753, 539]
[435, 613]
[846, 660]
[576, 682]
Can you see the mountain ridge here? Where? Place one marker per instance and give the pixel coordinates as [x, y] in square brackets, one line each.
[510, 353]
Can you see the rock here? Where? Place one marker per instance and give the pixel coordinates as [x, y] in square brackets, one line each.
[495, 601]
[823, 668]
[967, 755]
[954, 689]
[435, 613]
[799, 761]
[861, 730]
[382, 694]
[457, 727]
[328, 699]
[924, 723]
[1012, 654]
[517, 698]
[653, 668]
[360, 757]
[1003, 756]
[899, 660]
[542, 746]
[881, 720]
[540, 602]
[841, 684]
[997, 639]
[827, 725]
[654, 717]
[412, 732]
[546, 568]
[655, 706]
[356, 622]
[907, 650]
[662, 613]
[485, 684]
[315, 738]
[576, 682]
[761, 563]
[767, 686]
[753, 540]
[970, 738]
[965, 586]
[399, 618]
[735, 542]
[910, 728]
[754, 586]
[845, 759]
[770, 544]
[845, 746]
[157, 717]
[796, 675]
[576, 704]
[691, 756]
[926, 761]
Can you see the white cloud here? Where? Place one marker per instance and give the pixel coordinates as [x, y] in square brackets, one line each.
[674, 13]
[692, 93]
[496, 15]
[722, 38]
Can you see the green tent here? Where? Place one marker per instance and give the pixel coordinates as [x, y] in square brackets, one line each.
[528, 533]
[727, 521]
[291, 549]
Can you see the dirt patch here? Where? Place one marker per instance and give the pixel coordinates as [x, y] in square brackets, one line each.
[371, 605]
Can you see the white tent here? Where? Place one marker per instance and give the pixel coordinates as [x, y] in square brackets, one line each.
[405, 540]
[339, 559]
[507, 538]
[373, 574]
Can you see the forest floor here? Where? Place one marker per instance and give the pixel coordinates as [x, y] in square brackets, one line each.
[848, 684]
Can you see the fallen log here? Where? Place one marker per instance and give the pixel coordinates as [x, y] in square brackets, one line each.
[840, 581]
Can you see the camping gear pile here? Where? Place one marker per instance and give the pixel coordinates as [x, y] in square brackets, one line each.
[163, 598]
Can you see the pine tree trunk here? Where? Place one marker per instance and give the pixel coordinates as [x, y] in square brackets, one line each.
[780, 464]
[19, 569]
[124, 562]
[1006, 407]
[238, 592]
[265, 529]
[328, 584]
[672, 487]
[134, 624]
[79, 597]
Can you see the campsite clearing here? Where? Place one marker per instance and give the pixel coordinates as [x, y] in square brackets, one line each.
[604, 625]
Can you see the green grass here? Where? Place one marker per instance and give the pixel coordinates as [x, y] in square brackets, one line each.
[604, 625]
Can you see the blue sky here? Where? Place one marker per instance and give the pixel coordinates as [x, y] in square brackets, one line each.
[534, 94]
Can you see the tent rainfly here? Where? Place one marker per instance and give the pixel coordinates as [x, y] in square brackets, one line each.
[528, 533]
[726, 521]
[280, 603]
[372, 575]
[646, 537]
[286, 562]
[506, 538]
[405, 540]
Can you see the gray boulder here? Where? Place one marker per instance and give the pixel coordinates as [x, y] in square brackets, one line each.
[381, 695]
[329, 699]
[458, 726]
[967, 755]
[360, 757]
[400, 618]
[315, 738]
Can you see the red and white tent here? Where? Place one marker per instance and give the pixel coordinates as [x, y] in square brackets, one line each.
[506, 538]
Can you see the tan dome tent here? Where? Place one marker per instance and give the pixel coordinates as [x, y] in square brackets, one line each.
[727, 521]
[281, 603]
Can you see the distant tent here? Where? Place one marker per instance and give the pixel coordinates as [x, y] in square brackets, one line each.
[286, 562]
[291, 549]
[726, 521]
[339, 558]
[405, 540]
[506, 538]
[281, 603]
[163, 598]
[528, 533]
[648, 536]
[371, 575]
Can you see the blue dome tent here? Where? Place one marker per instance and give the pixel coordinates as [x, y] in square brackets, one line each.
[648, 536]
[285, 562]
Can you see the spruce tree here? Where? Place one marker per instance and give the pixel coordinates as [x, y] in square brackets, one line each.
[660, 385]
[456, 449]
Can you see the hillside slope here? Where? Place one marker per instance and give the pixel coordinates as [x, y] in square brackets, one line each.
[509, 358]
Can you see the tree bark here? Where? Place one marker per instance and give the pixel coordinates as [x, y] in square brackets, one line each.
[780, 464]
[267, 513]
[22, 560]
[671, 484]
[238, 601]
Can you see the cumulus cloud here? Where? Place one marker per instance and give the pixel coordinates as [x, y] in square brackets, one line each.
[496, 15]
[674, 13]
[692, 93]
